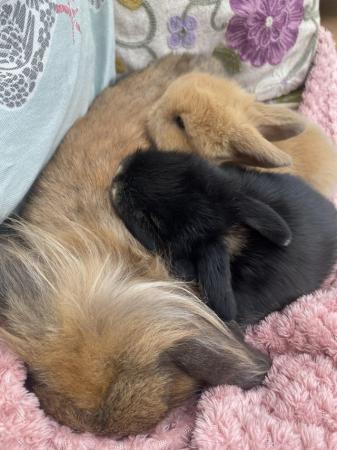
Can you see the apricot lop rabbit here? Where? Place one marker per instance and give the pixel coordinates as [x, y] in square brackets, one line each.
[216, 118]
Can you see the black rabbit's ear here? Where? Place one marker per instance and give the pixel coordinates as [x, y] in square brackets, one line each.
[184, 269]
[265, 220]
[142, 231]
[214, 276]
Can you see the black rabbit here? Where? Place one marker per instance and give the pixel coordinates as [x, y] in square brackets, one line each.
[254, 241]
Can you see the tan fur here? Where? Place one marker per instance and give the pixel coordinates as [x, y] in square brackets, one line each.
[111, 341]
[236, 240]
[225, 123]
[100, 340]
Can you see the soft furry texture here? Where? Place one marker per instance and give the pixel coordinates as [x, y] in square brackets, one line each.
[216, 118]
[108, 351]
[103, 352]
[320, 95]
[189, 210]
[309, 327]
[297, 408]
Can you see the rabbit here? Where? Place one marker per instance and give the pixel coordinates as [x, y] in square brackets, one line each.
[219, 120]
[107, 351]
[111, 341]
[188, 210]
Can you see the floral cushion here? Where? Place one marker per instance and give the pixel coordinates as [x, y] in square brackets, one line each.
[267, 45]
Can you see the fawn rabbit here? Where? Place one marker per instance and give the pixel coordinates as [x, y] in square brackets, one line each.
[216, 118]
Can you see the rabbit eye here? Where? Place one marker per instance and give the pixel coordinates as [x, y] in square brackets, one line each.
[139, 215]
[179, 122]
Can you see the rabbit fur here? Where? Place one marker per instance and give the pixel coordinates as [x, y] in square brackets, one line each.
[186, 209]
[216, 118]
[111, 341]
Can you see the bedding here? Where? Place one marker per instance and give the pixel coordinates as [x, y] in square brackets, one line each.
[266, 45]
[295, 410]
[55, 57]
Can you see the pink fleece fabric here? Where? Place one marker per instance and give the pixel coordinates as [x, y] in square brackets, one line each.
[295, 410]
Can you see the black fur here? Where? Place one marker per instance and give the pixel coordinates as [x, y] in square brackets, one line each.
[182, 207]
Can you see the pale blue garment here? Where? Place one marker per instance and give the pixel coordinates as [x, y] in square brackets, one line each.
[55, 57]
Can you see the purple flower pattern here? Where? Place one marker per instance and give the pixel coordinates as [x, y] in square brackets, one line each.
[263, 31]
[182, 32]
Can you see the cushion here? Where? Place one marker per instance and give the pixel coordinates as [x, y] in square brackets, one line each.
[267, 45]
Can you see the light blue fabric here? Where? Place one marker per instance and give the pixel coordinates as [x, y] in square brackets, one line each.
[55, 57]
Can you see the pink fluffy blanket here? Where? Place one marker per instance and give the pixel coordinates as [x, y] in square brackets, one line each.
[296, 409]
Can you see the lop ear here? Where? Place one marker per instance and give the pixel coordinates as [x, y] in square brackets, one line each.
[249, 147]
[276, 123]
[140, 227]
[142, 234]
[215, 358]
[265, 220]
[215, 279]
[183, 269]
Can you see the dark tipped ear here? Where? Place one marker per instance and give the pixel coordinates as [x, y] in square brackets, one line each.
[276, 123]
[214, 358]
[249, 147]
[265, 220]
[213, 267]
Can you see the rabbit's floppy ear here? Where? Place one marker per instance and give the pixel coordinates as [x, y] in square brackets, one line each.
[249, 147]
[215, 357]
[265, 220]
[143, 233]
[214, 275]
[183, 269]
[252, 144]
[276, 123]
